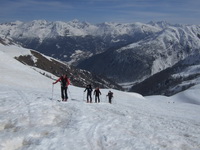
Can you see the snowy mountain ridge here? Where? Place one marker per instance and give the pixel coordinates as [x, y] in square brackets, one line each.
[43, 29]
[164, 41]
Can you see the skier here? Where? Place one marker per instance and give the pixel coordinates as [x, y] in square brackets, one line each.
[89, 93]
[65, 82]
[97, 93]
[110, 96]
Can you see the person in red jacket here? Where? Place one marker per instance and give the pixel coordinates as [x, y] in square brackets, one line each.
[64, 81]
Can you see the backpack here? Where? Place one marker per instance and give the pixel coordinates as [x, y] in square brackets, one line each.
[110, 94]
[63, 81]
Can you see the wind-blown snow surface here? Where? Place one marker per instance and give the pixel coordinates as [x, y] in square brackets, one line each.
[31, 120]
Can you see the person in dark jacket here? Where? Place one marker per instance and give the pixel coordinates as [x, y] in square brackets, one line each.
[65, 82]
[97, 93]
[110, 96]
[89, 93]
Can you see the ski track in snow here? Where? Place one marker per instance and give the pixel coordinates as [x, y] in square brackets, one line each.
[31, 120]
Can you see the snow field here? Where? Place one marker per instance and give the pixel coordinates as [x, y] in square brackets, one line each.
[33, 121]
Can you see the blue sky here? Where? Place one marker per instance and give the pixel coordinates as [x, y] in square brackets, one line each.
[98, 11]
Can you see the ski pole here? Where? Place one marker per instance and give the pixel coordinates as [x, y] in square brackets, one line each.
[99, 99]
[113, 101]
[69, 93]
[52, 91]
[83, 95]
[94, 98]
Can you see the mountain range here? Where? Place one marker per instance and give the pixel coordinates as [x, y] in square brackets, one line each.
[123, 52]
[73, 41]
[139, 60]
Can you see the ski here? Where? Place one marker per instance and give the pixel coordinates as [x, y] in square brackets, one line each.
[61, 101]
[74, 99]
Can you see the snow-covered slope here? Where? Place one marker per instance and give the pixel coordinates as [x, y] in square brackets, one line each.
[30, 119]
[45, 64]
[181, 76]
